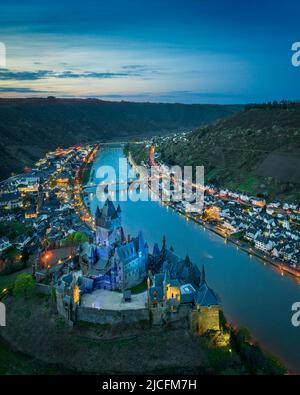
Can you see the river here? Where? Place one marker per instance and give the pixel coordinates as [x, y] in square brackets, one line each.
[253, 293]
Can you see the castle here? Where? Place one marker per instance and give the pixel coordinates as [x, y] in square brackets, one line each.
[115, 262]
[176, 288]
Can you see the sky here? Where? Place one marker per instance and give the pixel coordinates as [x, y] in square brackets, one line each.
[188, 51]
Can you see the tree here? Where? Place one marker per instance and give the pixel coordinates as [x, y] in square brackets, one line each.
[74, 239]
[79, 238]
[24, 285]
[219, 358]
[244, 334]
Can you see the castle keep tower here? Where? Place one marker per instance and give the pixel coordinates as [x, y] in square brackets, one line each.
[206, 315]
[108, 224]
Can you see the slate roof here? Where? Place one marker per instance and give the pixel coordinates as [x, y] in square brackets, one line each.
[174, 283]
[158, 279]
[156, 250]
[205, 296]
[108, 212]
[181, 269]
[127, 252]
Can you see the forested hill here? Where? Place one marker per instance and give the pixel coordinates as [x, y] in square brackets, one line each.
[30, 127]
[256, 150]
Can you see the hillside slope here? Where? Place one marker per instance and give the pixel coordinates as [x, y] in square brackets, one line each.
[256, 151]
[30, 127]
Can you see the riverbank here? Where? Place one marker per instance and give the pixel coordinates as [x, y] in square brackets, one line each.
[251, 251]
[82, 177]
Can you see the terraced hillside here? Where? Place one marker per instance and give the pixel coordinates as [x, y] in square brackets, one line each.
[256, 151]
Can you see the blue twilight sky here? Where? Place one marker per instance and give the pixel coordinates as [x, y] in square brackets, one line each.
[190, 51]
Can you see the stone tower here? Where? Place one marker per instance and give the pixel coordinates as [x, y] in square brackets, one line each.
[108, 224]
[206, 315]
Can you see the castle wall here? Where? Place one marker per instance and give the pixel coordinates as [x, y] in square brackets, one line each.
[101, 235]
[161, 316]
[111, 317]
[205, 319]
[60, 305]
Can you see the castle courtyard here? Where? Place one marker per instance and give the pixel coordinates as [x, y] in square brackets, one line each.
[110, 300]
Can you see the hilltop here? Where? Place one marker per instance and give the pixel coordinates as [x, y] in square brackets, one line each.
[256, 151]
[31, 127]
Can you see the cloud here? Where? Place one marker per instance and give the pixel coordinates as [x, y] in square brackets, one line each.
[71, 74]
[6, 75]
[128, 71]
[21, 90]
[135, 66]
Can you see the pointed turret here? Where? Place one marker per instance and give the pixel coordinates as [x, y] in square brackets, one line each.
[205, 296]
[146, 249]
[188, 261]
[166, 277]
[203, 275]
[106, 216]
[156, 251]
[141, 242]
[123, 235]
[164, 246]
[98, 212]
[109, 210]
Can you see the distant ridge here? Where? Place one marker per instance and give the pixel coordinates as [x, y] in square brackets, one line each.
[30, 127]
